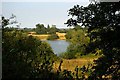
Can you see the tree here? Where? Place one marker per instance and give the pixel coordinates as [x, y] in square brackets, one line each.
[48, 28]
[53, 30]
[103, 22]
[5, 22]
[33, 59]
[24, 56]
[40, 29]
[78, 41]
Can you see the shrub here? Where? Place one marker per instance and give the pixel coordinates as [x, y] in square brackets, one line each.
[25, 57]
[53, 37]
[67, 55]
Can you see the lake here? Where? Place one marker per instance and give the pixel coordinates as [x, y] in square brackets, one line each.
[58, 46]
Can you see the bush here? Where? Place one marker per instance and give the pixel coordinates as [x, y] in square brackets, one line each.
[67, 55]
[25, 57]
[73, 51]
[78, 39]
[53, 37]
[40, 29]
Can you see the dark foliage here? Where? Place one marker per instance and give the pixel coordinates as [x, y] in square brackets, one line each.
[24, 56]
[103, 23]
[5, 22]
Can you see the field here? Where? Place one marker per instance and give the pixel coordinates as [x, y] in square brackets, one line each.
[42, 36]
[45, 36]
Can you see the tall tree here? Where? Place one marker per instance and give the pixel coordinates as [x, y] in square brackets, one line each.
[48, 26]
[103, 22]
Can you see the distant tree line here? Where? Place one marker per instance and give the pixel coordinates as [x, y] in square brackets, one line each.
[41, 29]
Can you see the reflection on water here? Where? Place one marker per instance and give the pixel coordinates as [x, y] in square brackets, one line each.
[58, 46]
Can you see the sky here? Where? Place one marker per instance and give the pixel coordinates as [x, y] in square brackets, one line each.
[32, 12]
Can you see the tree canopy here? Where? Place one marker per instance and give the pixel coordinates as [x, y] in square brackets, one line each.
[103, 23]
[40, 29]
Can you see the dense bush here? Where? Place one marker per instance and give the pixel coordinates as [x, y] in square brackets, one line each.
[62, 30]
[78, 42]
[41, 29]
[52, 30]
[67, 55]
[25, 57]
[53, 37]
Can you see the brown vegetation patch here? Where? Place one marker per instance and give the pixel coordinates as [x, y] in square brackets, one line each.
[70, 64]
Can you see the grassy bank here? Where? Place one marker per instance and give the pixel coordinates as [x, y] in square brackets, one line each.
[61, 36]
[70, 64]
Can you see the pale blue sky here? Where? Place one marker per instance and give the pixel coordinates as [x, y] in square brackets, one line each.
[31, 13]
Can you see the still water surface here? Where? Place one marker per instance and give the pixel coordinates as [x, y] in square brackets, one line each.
[58, 46]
